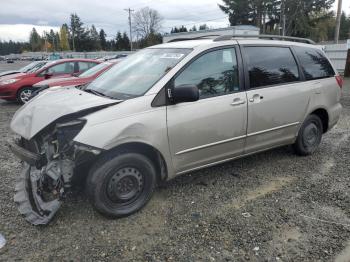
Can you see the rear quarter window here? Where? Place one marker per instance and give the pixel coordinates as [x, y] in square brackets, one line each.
[314, 63]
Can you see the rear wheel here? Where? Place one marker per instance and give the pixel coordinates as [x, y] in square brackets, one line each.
[310, 136]
[24, 95]
[121, 185]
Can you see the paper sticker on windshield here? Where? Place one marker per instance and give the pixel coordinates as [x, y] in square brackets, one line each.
[172, 56]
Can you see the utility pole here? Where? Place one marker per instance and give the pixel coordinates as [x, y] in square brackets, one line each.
[337, 22]
[129, 11]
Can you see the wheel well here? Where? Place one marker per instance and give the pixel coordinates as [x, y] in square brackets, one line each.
[323, 115]
[153, 154]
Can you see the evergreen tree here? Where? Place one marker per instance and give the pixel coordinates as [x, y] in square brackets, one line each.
[119, 41]
[78, 34]
[193, 29]
[203, 27]
[35, 40]
[94, 39]
[126, 42]
[103, 40]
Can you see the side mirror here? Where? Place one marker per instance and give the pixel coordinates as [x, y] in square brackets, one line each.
[185, 93]
[48, 75]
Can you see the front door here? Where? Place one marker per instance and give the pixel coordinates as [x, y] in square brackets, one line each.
[212, 129]
[277, 100]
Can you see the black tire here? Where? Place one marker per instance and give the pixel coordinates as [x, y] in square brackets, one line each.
[119, 186]
[24, 95]
[309, 136]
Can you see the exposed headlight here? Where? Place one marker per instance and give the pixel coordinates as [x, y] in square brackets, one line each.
[8, 81]
[67, 131]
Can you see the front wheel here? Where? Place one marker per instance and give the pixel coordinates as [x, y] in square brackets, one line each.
[310, 136]
[24, 95]
[121, 185]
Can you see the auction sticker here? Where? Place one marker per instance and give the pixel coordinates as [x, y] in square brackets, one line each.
[172, 56]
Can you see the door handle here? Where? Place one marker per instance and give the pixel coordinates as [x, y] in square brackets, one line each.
[256, 97]
[237, 102]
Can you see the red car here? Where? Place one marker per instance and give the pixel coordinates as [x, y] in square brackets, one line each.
[83, 79]
[19, 86]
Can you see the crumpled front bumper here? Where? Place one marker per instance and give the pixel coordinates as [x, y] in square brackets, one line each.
[27, 156]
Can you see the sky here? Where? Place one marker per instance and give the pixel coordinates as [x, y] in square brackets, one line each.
[18, 17]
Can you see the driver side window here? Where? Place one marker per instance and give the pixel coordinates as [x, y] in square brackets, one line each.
[214, 73]
[63, 68]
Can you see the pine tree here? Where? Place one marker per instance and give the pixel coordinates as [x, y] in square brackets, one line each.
[103, 40]
[94, 38]
[35, 40]
[78, 33]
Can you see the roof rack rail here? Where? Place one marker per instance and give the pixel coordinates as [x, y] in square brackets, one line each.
[194, 38]
[271, 37]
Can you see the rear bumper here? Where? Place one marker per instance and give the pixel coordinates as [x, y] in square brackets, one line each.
[29, 157]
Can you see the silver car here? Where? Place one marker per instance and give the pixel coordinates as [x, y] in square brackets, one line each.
[168, 110]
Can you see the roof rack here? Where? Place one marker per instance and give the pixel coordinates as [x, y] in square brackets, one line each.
[194, 38]
[271, 37]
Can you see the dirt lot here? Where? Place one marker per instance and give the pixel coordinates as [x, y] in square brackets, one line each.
[273, 206]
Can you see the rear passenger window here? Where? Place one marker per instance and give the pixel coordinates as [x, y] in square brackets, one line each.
[214, 73]
[271, 66]
[313, 62]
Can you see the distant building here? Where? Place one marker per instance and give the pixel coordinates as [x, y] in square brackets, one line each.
[232, 30]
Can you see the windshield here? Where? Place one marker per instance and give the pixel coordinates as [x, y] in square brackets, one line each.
[92, 71]
[33, 66]
[135, 75]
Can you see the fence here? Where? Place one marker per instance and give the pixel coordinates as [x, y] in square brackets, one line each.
[337, 54]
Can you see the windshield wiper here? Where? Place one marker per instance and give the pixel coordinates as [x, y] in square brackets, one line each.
[97, 93]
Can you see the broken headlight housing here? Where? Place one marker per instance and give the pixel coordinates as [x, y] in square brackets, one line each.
[66, 132]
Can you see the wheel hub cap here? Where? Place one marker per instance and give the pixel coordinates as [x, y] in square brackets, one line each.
[311, 135]
[124, 185]
[25, 95]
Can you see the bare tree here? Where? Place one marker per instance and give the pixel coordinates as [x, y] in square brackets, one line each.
[146, 21]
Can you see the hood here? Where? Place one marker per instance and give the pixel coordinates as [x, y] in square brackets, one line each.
[15, 75]
[56, 81]
[51, 105]
[8, 73]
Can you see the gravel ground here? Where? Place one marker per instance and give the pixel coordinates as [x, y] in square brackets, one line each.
[274, 206]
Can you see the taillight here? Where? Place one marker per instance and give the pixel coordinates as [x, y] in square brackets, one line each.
[340, 80]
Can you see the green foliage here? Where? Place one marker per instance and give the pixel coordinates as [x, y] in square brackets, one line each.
[64, 36]
[203, 27]
[304, 18]
[103, 40]
[11, 47]
[35, 40]
[122, 42]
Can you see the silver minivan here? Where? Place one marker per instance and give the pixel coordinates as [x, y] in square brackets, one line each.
[168, 110]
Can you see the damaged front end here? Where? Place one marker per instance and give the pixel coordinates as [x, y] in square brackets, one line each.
[50, 159]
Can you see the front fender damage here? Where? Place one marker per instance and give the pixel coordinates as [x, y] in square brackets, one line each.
[51, 160]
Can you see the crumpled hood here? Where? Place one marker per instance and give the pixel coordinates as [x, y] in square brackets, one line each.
[52, 104]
